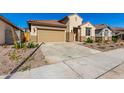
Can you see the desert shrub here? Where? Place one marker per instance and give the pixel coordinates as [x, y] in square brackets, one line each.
[13, 55]
[31, 45]
[102, 47]
[5, 46]
[19, 45]
[121, 44]
[89, 40]
[114, 38]
[98, 40]
[98, 44]
[106, 41]
[111, 46]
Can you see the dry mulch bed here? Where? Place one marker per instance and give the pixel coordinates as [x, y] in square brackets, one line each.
[10, 58]
[104, 46]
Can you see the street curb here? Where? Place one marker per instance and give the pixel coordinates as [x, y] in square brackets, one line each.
[18, 66]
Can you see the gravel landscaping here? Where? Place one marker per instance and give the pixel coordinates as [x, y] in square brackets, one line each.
[11, 57]
[37, 60]
[104, 46]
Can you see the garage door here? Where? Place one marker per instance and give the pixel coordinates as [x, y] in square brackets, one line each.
[51, 35]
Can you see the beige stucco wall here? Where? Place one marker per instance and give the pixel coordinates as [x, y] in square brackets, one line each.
[3, 28]
[33, 38]
[83, 30]
[74, 21]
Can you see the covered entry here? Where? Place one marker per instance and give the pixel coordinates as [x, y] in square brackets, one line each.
[50, 35]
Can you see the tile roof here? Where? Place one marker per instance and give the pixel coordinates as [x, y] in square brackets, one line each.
[55, 23]
[118, 29]
[100, 26]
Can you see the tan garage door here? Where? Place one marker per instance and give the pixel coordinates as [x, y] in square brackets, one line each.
[51, 36]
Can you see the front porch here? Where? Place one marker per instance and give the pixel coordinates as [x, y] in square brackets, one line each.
[74, 35]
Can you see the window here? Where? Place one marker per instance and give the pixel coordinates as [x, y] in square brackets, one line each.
[88, 30]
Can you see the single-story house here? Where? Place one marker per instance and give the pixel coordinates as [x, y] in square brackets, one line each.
[8, 31]
[103, 31]
[69, 29]
[119, 32]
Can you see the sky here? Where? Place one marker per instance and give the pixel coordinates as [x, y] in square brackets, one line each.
[112, 19]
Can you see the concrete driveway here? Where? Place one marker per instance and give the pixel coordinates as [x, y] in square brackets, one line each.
[73, 61]
[58, 52]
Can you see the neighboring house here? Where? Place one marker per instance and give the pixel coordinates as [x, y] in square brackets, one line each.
[119, 32]
[8, 31]
[103, 31]
[70, 28]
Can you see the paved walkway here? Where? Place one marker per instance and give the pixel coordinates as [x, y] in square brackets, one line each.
[83, 64]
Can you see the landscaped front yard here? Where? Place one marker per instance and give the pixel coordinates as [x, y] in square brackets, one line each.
[11, 57]
[104, 46]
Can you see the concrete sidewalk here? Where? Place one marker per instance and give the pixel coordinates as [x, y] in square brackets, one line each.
[85, 67]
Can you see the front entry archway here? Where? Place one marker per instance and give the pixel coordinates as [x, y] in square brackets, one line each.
[75, 35]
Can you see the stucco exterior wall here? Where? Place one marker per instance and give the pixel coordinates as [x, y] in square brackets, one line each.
[74, 21]
[83, 31]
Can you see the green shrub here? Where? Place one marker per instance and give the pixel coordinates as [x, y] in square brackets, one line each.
[24, 45]
[19, 45]
[114, 38]
[32, 45]
[89, 40]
